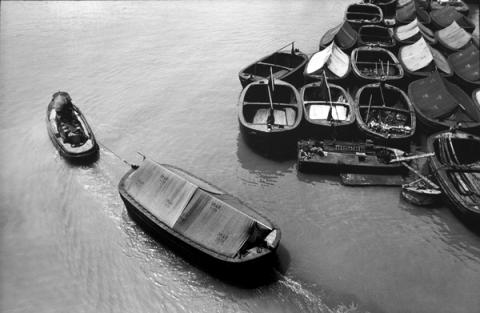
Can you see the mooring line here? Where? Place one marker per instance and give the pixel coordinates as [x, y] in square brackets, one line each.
[116, 155]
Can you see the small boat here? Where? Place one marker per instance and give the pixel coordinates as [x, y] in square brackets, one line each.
[420, 59]
[442, 105]
[388, 8]
[458, 5]
[347, 157]
[420, 193]
[466, 65]
[410, 11]
[344, 36]
[359, 14]
[453, 37]
[384, 112]
[196, 217]
[270, 116]
[287, 66]
[412, 32]
[84, 146]
[332, 61]
[444, 17]
[374, 63]
[327, 105]
[374, 35]
[456, 166]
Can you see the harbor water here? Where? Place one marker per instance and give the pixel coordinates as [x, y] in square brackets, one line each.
[161, 78]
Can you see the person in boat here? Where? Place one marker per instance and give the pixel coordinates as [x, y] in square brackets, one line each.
[68, 125]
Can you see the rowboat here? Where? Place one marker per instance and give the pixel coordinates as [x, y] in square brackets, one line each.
[347, 157]
[196, 218]
[412, 32]
[332, 61]
[327, 106]
[374, 63]
[374, 35]
[456, 166]
[286, 65]
[453, 37]
[384, 112]
[82, 149]
[459, 5]
[444, 17]
[270, 117]
[420, 59]
[359, 14]
[466, 65]
[410, 11]
[420, 193]
[442, 105]
[344, 36]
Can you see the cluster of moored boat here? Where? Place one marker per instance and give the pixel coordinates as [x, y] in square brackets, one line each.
[391, 75]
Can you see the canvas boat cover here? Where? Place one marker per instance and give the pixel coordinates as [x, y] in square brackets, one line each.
[408, 31]
[343, 35]
[333, 57]
[466, 64]
[406, 13]
[453, 36]
[431, 97]
[446, 16]
[189, 210]
[419, 54]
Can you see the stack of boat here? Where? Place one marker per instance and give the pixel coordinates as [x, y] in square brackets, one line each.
[391, 72]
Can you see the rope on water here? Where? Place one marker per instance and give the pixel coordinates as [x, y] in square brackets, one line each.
[118, 156]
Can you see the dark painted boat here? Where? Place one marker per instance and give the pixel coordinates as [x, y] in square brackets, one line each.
[466, 65]
[458, 5]
[374, 35]
[444, 17]
[453, 38]
[327, 106]
[263, 126]
[373, 63]
[442, 105]
[410, 11]
[456, 166]
[359, 14]
[332, 61]
[83, 150]
[197, 218]
[412, 32]
[420, 59]
[286, 65]
[347, 157]
[384, 112]
[344, 36]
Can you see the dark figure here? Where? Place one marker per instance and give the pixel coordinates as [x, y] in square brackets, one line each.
[68, 125]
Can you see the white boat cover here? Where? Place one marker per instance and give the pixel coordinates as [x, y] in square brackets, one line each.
[405, 32]
[333, 57]
[189, 210]
[419, 54]
[453, 36]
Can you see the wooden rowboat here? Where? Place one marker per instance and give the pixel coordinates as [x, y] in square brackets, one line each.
[388, 7]
[374, 35]
[84, 150]
[374, 63]
[332, 61]
[286, 65]
[456, 166]
[198, 219]
[359, 14]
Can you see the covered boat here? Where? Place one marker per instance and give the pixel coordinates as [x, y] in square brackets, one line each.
[410, 11]
[327, 105]
[384, 112]
[444, 17]
[412, 32]
[458, 5]
[466, 65]
[420, 59]
[453, 37]
[347, 157]
[197, 218]
[344, 36]
[442, 105]
[72, 137]
[375, 35]
[456, 166]
[332, 61]
[286, 65]
[374, 63]
[359, 14]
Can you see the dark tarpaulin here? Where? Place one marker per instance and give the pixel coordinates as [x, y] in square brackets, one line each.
[466, 64]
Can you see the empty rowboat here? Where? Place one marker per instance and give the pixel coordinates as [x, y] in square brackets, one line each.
[197, 218]
[374, 63]
[332, 61]
[286, 65]
[374, 35]
[359, 14]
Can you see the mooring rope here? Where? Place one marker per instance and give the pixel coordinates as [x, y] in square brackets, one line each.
[116, 155]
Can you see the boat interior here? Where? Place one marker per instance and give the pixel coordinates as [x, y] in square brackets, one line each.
[363, 13]
[377, 63]
[80, 143]
[376, 35]
[326, 105]
[281, 64]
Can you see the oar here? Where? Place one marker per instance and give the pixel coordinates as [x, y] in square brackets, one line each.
[329, 94]
[428, 181]
[271, 116]
[368, 111]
